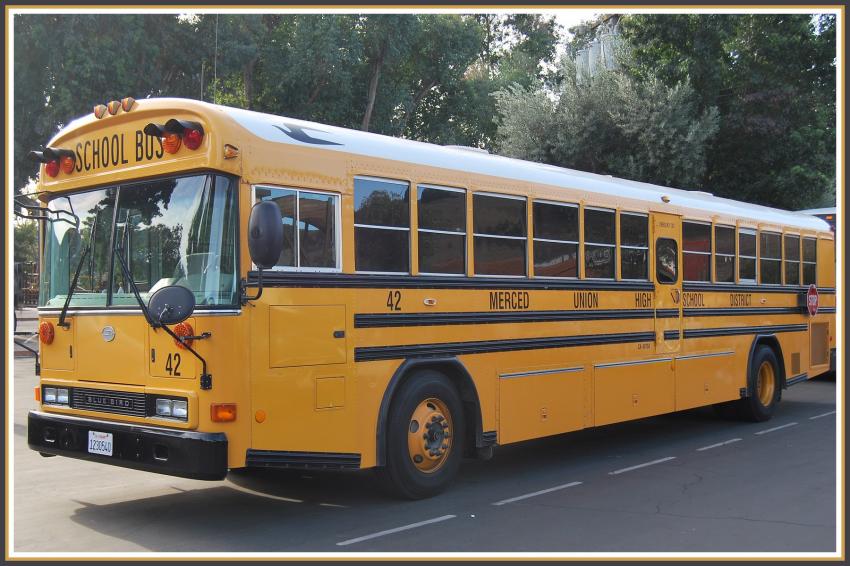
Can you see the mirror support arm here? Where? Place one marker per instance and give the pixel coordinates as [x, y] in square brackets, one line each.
[206, 379]
[245, 297]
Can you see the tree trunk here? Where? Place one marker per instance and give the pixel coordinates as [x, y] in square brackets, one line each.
[248, 79]
[373, 91]
[417, 99]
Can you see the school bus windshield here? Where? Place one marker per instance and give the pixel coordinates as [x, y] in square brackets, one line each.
[174, 231]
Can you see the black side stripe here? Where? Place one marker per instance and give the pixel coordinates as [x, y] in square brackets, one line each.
[666, 313]
[373, 353]
[672, 334]
[738, 330]
[360, 280]
[382, 320]
[796, 379]
[825, 310]
[730, 287]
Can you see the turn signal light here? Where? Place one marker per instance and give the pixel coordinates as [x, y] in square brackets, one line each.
[223, 412]
[46, 332]
[37, 391]
[68, 164]
[183, 329]
[171, 143]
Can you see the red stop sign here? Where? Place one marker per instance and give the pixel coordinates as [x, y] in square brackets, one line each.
[812, 300]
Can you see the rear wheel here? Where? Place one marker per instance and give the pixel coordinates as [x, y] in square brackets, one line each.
[425, 433]
[763, 385]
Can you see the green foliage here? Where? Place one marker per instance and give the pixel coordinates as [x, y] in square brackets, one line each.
[434, 77]
[772, 77]
[26, 241]
[613, 124]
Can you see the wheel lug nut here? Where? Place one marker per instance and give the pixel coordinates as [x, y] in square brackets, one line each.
[417, 459]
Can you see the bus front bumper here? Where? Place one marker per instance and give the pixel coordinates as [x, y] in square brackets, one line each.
[187, 454]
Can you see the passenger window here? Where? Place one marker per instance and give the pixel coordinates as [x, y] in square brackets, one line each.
[555, 239]
[770, 258]
[724, 254]
[666, 261]
[499, 235]
[442, 230]
[309, 227]
[634, 246]
[599, 238]
[381, 225]
[792, 259]
[696, 251]
[810, 251]
[747, 255]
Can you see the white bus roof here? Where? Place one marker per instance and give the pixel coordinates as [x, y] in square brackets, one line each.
[827, 210]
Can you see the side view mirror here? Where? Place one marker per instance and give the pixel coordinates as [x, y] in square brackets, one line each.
[171, 305]
[265, 234]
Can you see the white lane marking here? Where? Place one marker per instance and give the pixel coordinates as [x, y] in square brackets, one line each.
[823, 415]
[645, 464]
[396, 530]
[718, 445]
[775, 428]
[536, 493]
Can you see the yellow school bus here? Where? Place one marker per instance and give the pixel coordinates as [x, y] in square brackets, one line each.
[228, 289]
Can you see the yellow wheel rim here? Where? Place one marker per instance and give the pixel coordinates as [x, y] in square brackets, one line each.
[429, 435]
[766, 384]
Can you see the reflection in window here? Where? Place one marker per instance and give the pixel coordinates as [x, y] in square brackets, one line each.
[792, 259]
[381, 225]
[65, 242]
[599, 238]
[634, 246]
[442, 230]
[809, 261]
[500, 235]
[724, 254]
[309, 227]
[177, 232]
[666, 261]
[770, 254]
[746, 255]
[696, 251]
[555, 239]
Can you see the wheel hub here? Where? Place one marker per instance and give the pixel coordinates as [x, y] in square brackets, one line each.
[429, 438]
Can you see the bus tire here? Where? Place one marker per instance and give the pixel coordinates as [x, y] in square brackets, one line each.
[425, 434]
[764, 385]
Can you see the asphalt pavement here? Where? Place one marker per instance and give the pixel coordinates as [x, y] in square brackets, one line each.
[686, 482]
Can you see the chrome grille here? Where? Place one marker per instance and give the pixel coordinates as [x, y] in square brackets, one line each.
[119, 402]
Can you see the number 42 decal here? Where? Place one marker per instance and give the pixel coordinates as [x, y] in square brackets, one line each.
[172, 364]
[394, 300]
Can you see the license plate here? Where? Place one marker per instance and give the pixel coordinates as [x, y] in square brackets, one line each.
[100, 443]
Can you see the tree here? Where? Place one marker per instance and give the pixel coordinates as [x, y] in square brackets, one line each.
[612, 124]
[26, 241]
[772, 76]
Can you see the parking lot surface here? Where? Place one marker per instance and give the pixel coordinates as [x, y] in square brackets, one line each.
[686, 482]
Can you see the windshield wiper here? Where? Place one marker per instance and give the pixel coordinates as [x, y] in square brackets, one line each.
[132, 284]
[72, 288]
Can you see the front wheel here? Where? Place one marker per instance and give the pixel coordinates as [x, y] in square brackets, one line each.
[425, 433]
[764, 386]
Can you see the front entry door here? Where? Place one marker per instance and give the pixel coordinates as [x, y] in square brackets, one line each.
[666, 265]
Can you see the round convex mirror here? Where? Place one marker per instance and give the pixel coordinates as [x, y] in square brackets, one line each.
[171, 305]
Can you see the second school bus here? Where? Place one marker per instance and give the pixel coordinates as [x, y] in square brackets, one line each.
[421, 303]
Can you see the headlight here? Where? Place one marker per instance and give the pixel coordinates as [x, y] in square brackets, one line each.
[163, 407]
[62, 396]
[174, 408]
[180, 409]
[49, 394]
